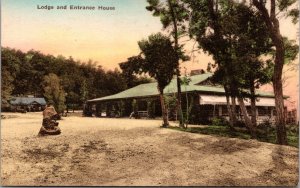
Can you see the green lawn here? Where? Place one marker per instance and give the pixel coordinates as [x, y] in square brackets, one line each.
[264, 136]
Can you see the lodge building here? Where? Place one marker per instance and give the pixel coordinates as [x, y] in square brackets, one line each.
[206, 101]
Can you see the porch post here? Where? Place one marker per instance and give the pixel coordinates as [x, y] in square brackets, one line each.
[214, 113]
[272, 113]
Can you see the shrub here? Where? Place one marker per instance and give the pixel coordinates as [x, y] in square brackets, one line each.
[265, 126]
[294, 128]
[219, 121]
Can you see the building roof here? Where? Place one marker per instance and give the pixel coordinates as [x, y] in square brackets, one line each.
[221, 100]
[27, 101]
[150, 89]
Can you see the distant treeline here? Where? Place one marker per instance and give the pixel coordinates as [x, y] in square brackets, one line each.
[25, 73]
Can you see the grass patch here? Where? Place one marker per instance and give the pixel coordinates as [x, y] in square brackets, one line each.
[241, 133]
[293, 140]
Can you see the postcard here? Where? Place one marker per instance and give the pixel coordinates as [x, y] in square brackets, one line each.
[149, 93]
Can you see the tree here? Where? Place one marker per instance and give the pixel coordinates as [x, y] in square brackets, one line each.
[205, 26]
[219, 28]
[173, 14]
[71, 99]
[128, 72]
[83, 91]
[53, 92]
[114, 81]
[6, 87]
[186, 81]
[271, 19]
[39, 70]
[248, 44]
[9, 70]
[160, 62]
[23, 74]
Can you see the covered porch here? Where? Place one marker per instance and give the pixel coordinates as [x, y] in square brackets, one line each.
[215, 106]
[132, 107]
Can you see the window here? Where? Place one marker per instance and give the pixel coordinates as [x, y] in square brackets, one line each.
[263, 111]
[224, 110]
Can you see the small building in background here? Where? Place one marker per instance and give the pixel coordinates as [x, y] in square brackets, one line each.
[27, 104]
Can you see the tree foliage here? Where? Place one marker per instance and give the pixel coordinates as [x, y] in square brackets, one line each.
[159, 61]
[53, 92]
[130, 72]
[10, 67]
[173, 15]
[235, 36]
[23, 74]
[271, 13]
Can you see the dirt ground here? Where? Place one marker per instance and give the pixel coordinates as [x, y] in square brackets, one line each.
[103, 152]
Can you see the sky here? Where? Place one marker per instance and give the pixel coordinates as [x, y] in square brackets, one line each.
[108, 37]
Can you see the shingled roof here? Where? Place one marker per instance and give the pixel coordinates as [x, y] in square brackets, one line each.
[150, 89]
[27, 101]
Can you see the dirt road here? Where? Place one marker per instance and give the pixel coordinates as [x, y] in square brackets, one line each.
[94, 151]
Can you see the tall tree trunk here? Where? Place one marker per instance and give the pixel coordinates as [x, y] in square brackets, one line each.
[233, 107]
[229, 109]
[273, 25]
[253, 105]
[163, 109]
[277, 86]
[179, 107]
[247, 120]
[233, 93]
[279, 105]
[187, 109]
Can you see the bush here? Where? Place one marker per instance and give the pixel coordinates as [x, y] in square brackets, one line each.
[294, 128]
[240, 123]
[266, 126]
[219, 121]
[266, 132]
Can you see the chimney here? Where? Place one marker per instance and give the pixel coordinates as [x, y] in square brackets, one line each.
[197, 72]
